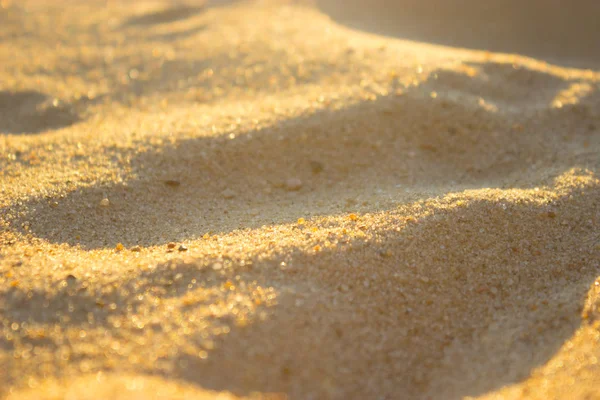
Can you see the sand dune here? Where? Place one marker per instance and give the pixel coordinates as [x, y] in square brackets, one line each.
[564, 34]
[299, 199]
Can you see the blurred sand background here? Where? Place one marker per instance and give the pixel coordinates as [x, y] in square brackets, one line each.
[303, 199]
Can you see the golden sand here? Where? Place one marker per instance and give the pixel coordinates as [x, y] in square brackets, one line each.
[278, 199]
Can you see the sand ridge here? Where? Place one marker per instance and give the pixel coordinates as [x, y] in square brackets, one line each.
[194, 205]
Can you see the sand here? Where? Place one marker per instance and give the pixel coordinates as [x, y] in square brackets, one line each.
[299, 199]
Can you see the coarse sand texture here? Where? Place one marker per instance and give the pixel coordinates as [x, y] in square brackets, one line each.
[309, 199]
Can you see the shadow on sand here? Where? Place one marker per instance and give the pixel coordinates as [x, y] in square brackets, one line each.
[33, 112]
[564, 32]
[417, 143]
[175, 12]
[456, 315]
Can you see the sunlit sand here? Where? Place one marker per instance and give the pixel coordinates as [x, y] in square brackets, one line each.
[299, 199]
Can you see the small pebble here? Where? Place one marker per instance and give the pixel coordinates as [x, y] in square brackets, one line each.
[182, 247]
[301, 221]
[385, 253]
[293, 184]
[316, 167]
[171, 245]
[104, 202]
[172, 183]
[136, 249]
[119, 247]
[228, 193]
